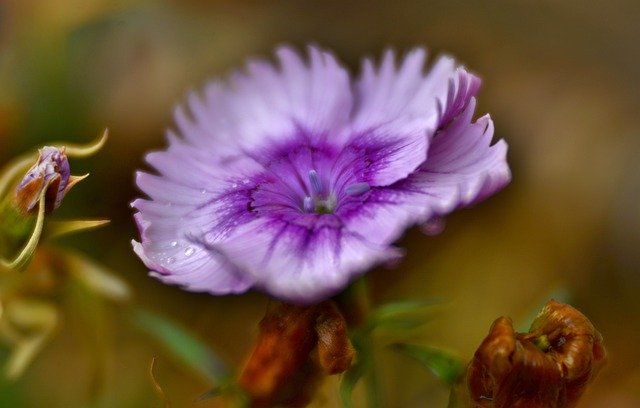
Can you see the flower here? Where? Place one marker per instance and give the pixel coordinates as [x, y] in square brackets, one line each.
[550, 366]
[51, 171]
[294, 179]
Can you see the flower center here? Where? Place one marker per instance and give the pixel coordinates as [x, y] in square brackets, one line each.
[318, 202]
[322, 202]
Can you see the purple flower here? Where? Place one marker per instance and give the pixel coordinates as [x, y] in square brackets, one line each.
[294, 179]
[52, 172]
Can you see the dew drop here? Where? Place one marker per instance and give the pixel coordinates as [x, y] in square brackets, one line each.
[173, 244]
[171, 260]
[189, 251]
[203, 191]
[433, 226]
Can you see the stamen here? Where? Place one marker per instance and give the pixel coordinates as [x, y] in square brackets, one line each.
[316, 186]
[308, 204]
[357, 189]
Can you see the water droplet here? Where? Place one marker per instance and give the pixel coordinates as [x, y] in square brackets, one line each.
[433, 226]
[203, 191]
[173, 244]
[189, 251]
[171, 260]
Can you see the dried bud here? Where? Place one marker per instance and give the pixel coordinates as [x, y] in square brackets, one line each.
[548, 367]
[296, 347]
[335, 352]
[52, 172]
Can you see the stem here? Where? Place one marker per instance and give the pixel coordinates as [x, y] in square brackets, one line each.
[355, 304]
[371, 380]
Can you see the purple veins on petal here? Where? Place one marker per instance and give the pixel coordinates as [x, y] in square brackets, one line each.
[310, 175]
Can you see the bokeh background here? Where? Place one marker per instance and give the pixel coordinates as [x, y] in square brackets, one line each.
[561, 80]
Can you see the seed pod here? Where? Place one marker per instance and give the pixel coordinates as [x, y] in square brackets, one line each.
[550, 366]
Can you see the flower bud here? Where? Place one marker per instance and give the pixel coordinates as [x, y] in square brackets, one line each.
[550, 366]
[297, 346]
[51, 171]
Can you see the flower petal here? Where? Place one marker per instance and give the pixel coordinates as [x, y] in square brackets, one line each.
[399, 110]
[302, 263]
[462, 169]
[462, 87]
[390, 157]
[389, 94]
[172, 221]
[197, 168]
[265, 105]
[175, 258]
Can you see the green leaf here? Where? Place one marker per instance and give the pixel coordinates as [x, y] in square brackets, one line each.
[58, 228]
[445, 365]
[348, 383]
[406, 314]
[95, 277]
[89, 149]
[182, 345]
[364, 369]
[10, 173]
[23, 258]
[234, 395]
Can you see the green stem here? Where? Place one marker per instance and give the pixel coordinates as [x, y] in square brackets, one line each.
[356, 306]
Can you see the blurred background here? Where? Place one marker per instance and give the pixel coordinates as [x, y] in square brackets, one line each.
[561, 80]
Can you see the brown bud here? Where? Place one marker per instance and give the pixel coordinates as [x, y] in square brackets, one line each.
[550, 366]
[335, 352]
[295, 348]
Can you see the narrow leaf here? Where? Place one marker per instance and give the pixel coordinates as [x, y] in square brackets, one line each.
[406, 314]
[88, 149]
[348, 383]
[15, 169]
[25, 255]
[96, 277]
[57, 228]
[445, 365]
[182, 345]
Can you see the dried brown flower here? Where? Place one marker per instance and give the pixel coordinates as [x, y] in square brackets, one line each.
[548, 367]
[296, 347]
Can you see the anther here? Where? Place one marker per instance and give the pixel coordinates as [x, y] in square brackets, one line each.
[357, 189]
[308, 204]
[314, 180]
